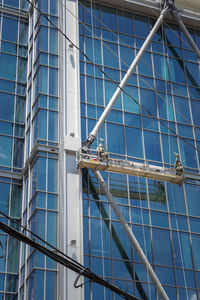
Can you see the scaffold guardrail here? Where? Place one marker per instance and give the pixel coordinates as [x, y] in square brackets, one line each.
[92, 160]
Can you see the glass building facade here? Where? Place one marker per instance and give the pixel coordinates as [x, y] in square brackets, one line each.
[51, 97]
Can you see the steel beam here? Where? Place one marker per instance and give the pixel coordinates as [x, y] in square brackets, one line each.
[186, 32]
[132, 237]
[92, 136]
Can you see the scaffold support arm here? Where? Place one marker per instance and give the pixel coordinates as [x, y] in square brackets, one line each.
[92, 136]
[186, 32]
[131, 237]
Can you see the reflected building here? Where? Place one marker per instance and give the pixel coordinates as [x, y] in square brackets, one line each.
[51, 96]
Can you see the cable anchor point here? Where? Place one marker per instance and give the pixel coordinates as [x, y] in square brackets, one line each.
[78, 277]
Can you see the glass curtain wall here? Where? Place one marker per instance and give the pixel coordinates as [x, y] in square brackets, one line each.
[13, 66]
[38, 274]
[162, 119]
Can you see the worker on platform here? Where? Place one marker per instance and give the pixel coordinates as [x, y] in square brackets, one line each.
[101, 150]
[178, 165]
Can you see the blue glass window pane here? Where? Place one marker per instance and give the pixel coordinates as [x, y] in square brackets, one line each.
[176, 198]
[42, 76]
[53, 175]
[177, 250]
[23, 33]
[5, 150]
[195, 112]
[148, 101]
[188, 153]
[150, 123]
[165, 275]
[185, 131]
[169, 147]
[41, 200]
[115, 116]
[6, 128]
[194, 93]
[126, 40]
[42, 124]
[52, 229]
[134, 148]
[53, 81]
[4, 243]
[53, 47]
[38, 223]
[162, 247]
[145, 65]
[102, 267]
[161, 67]
[192, 72]
[52, 201]
[115, 138]
[43, 39]
[152, 145]
[18, 153]
[141, 26]
[4, 197]
[140, 216]
[159, 219]
[110, 88]
[157, 196]
[53, 126]
[179, 222]
[182, 110]
[192, 195]
[108, 17]
[86, 235]
[41, 174]
[189, 277]
[9, 29]
[100, 238]
[7, 86]
[176, 70]
[14, 3]
[51, 285]
[6, 106]
[2, 278]
[110, 55]
[172, 35]
[129, 104]
[194, 225]
[186, 250]
[143, 236]
[8, 47]
[119, 241]
[127, 55]
[8, 66]
[138, 192]
[188, 55]
[124, 21]
[132, 120]
[91, 90]
[22, 68]
[39, 284]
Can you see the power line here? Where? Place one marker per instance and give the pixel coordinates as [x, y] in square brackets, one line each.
[38, 237]
[81, 270]
[103, 72]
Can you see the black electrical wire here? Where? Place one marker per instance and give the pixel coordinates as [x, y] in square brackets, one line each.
[103, 72]
[39, 238]
[65, 262]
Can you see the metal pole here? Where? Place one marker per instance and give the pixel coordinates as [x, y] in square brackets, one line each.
[92, 136]
[131, 237]
[185, 31]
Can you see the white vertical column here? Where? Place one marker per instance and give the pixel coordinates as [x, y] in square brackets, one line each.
[71, 229]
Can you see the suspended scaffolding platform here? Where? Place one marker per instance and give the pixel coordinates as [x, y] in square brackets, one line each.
[106, 163]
